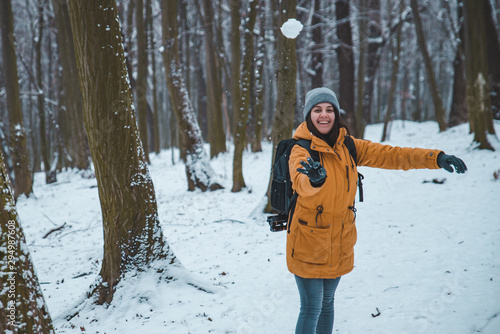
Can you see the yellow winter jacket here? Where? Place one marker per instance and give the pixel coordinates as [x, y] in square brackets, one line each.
[322, 229]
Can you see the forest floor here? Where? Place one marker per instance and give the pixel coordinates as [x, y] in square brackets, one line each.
[427, 256]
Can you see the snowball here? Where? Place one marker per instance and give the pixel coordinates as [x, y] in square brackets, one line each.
[291, 28]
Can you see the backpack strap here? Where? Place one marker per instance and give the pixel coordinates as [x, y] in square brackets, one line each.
[351, 147]
[307, 145]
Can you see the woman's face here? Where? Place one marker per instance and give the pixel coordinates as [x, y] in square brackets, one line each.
[323, 117]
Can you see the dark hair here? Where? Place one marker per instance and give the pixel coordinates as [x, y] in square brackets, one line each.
[331, 137]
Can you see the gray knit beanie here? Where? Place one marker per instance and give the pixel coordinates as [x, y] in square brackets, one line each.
[320, 95]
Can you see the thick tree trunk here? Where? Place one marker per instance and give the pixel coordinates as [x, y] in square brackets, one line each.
[141, 89]
[345, 56]
[199, 172]
[242, 115]
[71, 111]
[20, 159]
[133, 238]
[286, 73]
[216, 135]
[476, 69]
[431, 77]
[23, 308]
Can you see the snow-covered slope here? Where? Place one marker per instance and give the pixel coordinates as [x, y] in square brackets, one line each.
[427, 257]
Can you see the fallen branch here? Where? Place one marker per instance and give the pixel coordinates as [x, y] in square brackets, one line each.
[54, 230]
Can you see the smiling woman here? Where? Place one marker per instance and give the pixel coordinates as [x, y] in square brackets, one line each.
[321, 226]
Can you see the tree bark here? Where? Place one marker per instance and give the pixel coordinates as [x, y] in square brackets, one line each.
[71, 112]
[476, 69]
[23, 308]
[242, 115]
[133, 238]
[216, 135]
[345, 56]
[429, 69]
[286, 73]
[20, 159]
[199, 172]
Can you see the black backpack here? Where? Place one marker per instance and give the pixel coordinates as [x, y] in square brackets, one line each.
[283, 198]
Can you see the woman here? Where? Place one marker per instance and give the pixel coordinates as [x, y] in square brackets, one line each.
[322, 230]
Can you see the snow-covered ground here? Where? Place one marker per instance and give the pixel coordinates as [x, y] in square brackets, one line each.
[427, 257]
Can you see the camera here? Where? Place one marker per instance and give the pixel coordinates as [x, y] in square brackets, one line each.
[277, 222]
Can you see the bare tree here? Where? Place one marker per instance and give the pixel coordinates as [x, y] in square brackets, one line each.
[133, 238]
[23, 308]
[199, 172]
[476, 66]
[216, 135]
[241, 116]
[429, 69]
[20, 159]
[345, 56]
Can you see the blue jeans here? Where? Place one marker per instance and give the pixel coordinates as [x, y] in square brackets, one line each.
[316, 305]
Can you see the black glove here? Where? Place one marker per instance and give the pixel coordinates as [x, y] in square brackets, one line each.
[446, 161]
[313, 170]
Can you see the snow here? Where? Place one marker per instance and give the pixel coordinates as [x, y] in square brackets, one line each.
[427, 255]
[291, 28]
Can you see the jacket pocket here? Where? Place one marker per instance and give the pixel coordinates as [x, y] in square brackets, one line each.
[312, 244]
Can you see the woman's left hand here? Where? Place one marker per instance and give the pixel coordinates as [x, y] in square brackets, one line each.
[447, 161]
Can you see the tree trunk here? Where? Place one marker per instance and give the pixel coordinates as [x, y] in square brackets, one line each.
[286, 73]
[216, 135]
[493, 46]
[396, 52]
[361, 76]
[458, 112]
[476, 69]
[45, 143]
[199, 172]
[374, 51]
[242, 115]
[317, 45]
[431, 77]
[258, 107]
[235, 40]
[20, 159]
[152, 48]
[141, 89]
[133, 238]
[23, 308]
[345, 56]
[71, 105]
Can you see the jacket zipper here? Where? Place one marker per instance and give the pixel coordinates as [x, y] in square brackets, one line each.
[347, 174]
